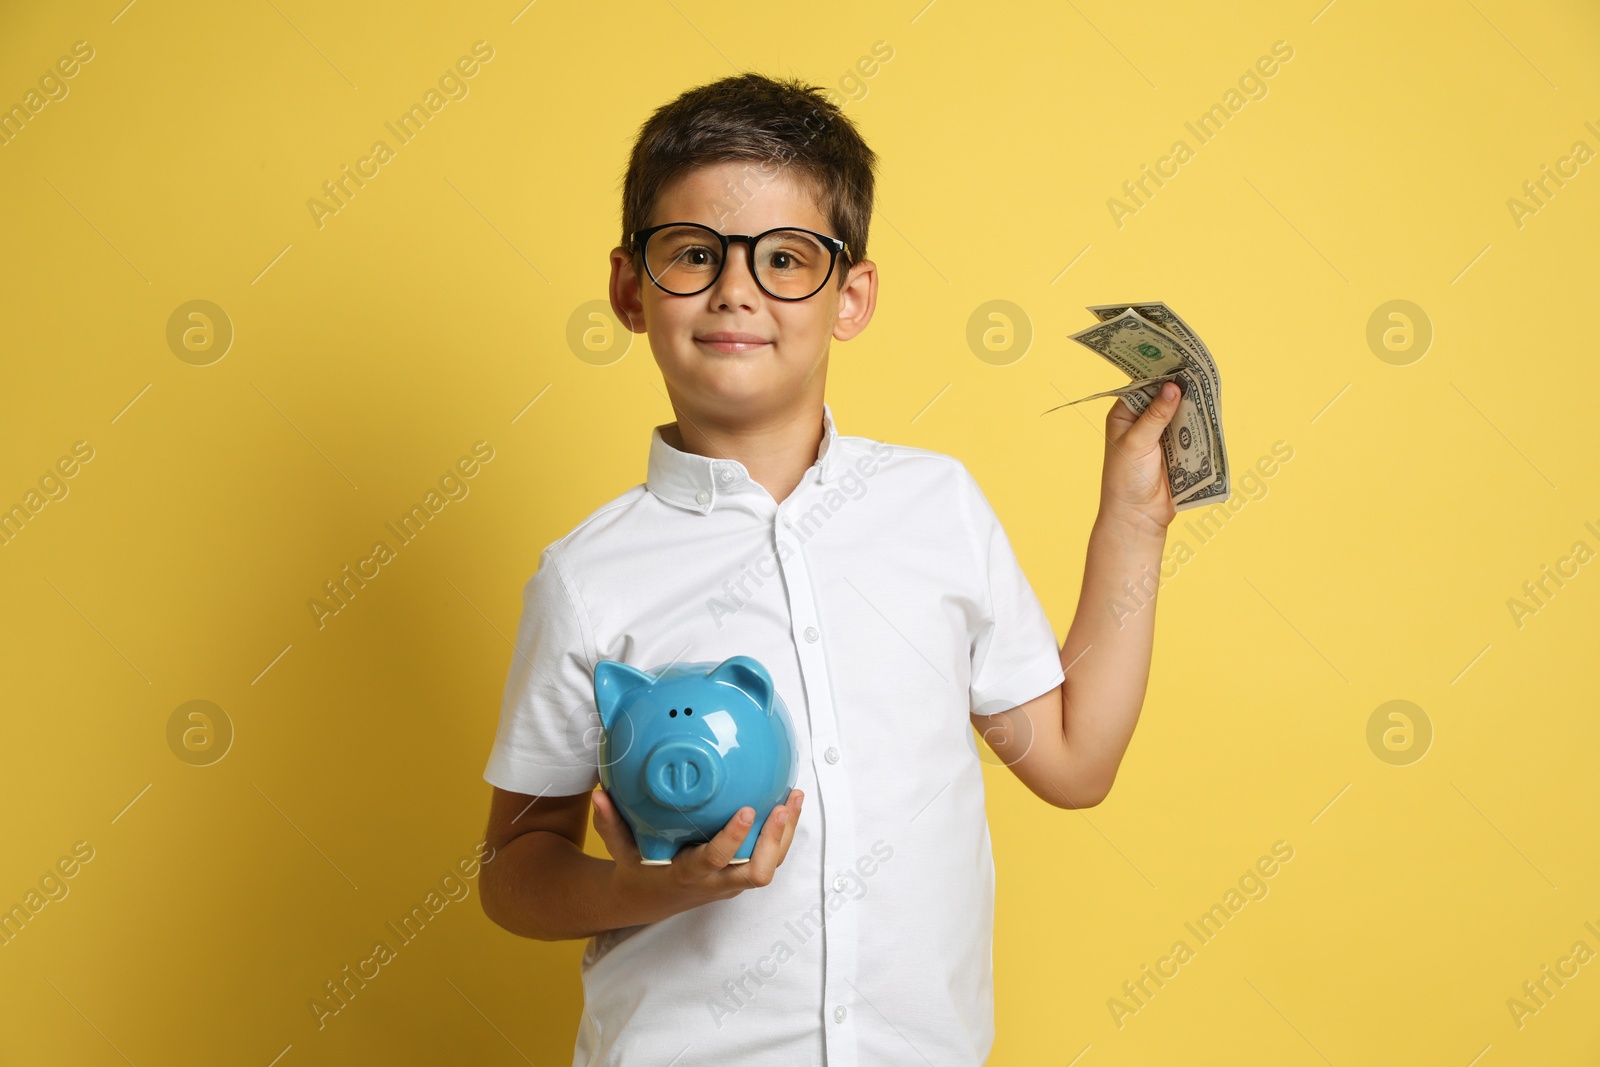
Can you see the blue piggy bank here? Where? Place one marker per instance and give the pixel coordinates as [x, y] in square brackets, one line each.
[685, 746]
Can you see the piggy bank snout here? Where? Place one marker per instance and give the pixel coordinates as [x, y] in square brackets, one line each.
[683, 772]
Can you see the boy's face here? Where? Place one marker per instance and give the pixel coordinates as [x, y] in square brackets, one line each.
[789, 367]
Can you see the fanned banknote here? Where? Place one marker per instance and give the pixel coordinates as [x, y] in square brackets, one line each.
[1151, 344]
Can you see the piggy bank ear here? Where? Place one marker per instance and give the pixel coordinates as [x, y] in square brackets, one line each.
[748, 676]
[613, 683]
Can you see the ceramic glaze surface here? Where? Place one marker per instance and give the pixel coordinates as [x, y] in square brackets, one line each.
[686, 745]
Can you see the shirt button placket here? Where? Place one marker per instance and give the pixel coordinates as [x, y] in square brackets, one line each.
[840, 933]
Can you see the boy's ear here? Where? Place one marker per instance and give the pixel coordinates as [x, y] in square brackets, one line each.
[627, 301]
[857, 299]
[748, 676]
[613, 683]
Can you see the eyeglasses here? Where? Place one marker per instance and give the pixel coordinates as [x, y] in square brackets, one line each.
[788, 263]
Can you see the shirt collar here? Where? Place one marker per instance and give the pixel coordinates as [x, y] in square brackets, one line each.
[694, 482]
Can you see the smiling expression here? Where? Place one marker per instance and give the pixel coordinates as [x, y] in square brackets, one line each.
[732, 347]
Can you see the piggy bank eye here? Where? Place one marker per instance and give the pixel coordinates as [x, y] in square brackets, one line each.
[673, 714]
[688, 711]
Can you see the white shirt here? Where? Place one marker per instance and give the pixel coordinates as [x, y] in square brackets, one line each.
[884, 599]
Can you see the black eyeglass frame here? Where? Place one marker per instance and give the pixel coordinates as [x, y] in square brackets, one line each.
[834, 245]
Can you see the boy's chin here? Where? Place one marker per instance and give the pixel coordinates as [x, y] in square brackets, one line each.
[735, 393]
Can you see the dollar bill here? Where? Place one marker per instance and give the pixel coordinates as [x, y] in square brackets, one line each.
[1118, 391]
[1151, 344]
[1169, 320]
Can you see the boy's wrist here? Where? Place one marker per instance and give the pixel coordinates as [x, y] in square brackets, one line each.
[632, 897]
[1130, 527]
[622, 897]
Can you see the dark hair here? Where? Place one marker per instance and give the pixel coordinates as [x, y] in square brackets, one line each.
[776, 124]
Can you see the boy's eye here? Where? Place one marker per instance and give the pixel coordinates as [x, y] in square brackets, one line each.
[791, 259]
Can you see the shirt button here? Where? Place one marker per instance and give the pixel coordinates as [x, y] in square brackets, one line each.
[811, 633]
[726, 475]
[789, 523]
[702, 496]
[841, 883]
[839, 1014]
[832, 755]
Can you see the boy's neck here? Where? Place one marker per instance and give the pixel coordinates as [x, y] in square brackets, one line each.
[777, 452]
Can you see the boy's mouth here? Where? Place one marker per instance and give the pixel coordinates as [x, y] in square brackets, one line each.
[732, 342]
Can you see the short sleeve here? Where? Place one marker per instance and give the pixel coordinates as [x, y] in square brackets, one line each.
[1015, 656]
[546, 743]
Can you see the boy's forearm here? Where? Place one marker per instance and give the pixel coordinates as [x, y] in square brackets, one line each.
[546, 887]
[1106, 654]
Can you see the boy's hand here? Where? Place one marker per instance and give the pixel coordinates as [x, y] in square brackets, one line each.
[698, 873]
[1133, 486]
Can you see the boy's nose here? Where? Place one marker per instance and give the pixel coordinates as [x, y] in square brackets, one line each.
[737, 275]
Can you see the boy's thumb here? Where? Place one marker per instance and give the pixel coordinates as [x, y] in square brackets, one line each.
[1156, 415]
[606, 820]
[1167, 401]
[603, 813]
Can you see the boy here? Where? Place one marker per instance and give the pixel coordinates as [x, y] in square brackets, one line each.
[878, 588]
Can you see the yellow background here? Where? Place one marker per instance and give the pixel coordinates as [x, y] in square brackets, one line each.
[370, 353]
